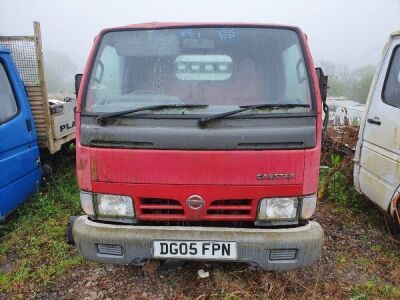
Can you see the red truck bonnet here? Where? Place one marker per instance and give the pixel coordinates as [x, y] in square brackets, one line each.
[215, 175]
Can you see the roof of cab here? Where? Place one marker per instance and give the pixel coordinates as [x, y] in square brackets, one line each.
[158, 25]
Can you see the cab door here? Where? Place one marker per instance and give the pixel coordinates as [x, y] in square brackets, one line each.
[19, 155]
[379, 175]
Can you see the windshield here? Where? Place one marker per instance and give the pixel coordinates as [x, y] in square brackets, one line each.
[222, 68]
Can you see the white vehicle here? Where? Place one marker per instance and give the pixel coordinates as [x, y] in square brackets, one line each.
[348, 115]
[345, 111]
[377, 158]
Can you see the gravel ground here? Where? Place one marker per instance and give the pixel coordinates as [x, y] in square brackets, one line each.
[359, 260]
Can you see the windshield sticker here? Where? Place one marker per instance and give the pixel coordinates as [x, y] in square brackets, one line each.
[203, 67]
[226, 33]
[185, 33]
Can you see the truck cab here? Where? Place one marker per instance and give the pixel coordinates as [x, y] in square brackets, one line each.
[20, 174]
[199, 142]
[377, 158]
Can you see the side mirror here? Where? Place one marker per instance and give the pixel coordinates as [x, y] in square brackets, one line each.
[78, 79]
[323, 88]
[323, 83]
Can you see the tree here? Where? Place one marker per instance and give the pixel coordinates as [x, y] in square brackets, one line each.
[338, 78]
[59, 72]
[342, 83]
[361, 83]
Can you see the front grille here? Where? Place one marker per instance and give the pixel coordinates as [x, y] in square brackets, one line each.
[110, 249]
[158, 206]
[282, 254]
[230, 207]
[159, 209]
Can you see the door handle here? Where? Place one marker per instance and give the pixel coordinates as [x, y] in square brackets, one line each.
[29, 124]
[373, 121]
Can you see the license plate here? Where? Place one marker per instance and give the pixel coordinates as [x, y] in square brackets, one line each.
[195, 250]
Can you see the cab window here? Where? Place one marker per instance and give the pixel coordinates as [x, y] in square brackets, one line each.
[221, 68]
[391, 89]
[8, 103]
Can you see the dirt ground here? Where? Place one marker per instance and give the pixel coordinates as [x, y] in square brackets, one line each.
[359, 261]
[360, 257]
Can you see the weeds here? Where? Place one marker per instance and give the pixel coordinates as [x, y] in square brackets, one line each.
[33, 252]
[336, 183]
[375, 289]
[32, 241]
[337, 190]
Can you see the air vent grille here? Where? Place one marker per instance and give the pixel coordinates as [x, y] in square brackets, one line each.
[110, 249]
[230, 207]
[282, 254]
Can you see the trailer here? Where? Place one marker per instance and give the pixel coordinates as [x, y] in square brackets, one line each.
[54, 119]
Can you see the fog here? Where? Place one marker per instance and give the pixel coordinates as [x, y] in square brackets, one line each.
[345, 32]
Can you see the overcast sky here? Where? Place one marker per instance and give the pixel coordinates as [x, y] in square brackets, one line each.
[349, 32]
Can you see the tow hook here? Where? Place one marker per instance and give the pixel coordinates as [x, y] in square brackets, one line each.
[69, 236]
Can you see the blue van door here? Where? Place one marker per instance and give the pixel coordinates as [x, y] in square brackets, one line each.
[20, 171]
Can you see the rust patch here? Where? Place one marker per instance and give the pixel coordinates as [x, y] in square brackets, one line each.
[94, 170]
[395, 137]
[82, 164]
[396, 205]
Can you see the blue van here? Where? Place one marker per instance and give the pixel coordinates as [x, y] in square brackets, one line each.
[20, 170]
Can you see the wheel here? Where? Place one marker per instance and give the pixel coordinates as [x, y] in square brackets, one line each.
[47, 170]
[69, 235]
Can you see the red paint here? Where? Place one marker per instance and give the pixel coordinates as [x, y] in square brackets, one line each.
[195, 167]
[312, 156]
[215, 175]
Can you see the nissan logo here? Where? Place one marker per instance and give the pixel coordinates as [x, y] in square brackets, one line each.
[195, 202]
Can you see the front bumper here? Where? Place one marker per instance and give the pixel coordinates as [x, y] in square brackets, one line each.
[255, 245]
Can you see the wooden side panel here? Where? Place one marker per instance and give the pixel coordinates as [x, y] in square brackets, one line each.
[43, 92]
[38, 111]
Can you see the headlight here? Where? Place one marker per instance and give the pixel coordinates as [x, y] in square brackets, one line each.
[114, 206]
[278, 209]
[105, 205]
[308, 206]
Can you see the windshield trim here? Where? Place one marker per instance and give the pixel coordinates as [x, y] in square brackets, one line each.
[99, 39]
[197, 116]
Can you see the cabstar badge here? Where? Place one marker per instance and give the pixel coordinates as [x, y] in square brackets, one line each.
[274, 176]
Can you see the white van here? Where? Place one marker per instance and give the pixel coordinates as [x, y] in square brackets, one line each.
[377, 158]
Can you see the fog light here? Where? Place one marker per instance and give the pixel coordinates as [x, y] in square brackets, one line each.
[278, 209]
[308, 206]
[114, 206]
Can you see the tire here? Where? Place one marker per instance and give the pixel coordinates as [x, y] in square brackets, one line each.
[69, 235]
[47, 170]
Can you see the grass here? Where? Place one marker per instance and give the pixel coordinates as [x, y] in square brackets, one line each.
[32, 241]
[34, 254]
[336, 186]
[374, 289]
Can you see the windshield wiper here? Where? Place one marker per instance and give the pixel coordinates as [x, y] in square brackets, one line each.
[204, 120]
[101, 119]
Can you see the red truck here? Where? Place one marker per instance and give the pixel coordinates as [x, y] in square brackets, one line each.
[199, 142]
